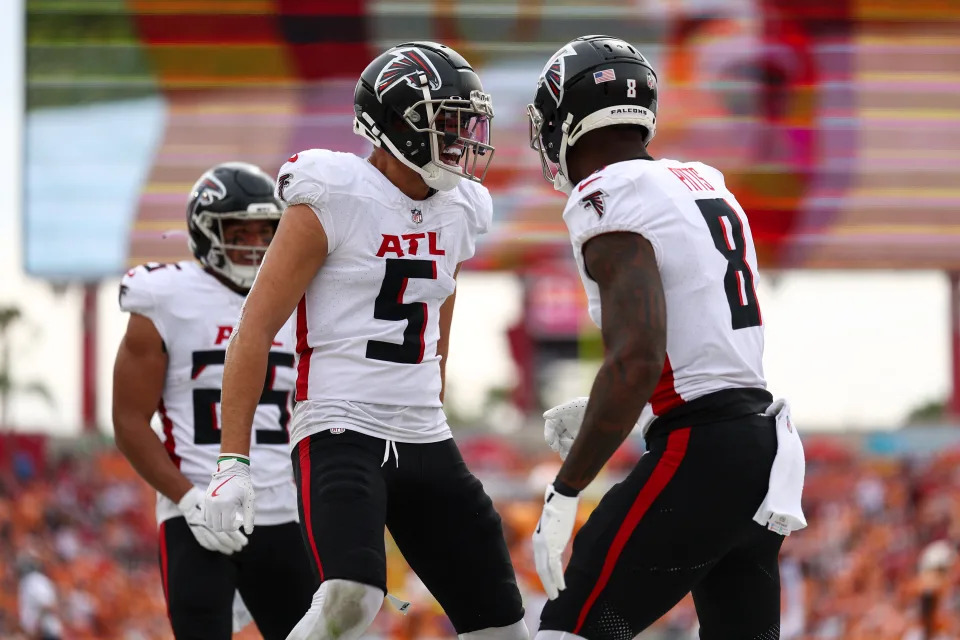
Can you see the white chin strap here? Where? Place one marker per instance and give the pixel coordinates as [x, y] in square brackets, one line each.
[240, 274]
[560, 180]
[437, 178]
[434, 176]
[562, 183]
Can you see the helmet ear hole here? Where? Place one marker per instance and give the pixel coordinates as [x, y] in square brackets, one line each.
[395, 121]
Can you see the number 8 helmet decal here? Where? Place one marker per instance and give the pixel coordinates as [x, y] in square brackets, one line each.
[591, 82]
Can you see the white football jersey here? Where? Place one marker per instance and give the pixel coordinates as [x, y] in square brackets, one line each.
[195, 315]
[708, 266]
[368, 324]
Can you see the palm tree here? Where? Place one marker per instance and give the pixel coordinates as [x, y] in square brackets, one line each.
[9, 316]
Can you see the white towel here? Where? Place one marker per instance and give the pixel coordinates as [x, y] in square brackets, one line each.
[780, 510]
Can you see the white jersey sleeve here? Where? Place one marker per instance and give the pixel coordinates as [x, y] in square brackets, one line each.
[479, 214]
[195, 315]
[308, 178]
[610, 203]
[143, 290]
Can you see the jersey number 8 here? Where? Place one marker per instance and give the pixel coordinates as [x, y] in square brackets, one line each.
[727, 232]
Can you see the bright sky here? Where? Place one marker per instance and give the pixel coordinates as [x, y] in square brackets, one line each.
[850, 350]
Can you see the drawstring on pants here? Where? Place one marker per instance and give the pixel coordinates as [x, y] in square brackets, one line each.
[387, 445]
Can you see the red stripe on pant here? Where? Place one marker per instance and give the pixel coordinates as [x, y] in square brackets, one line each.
[163, 566]
[304, 451]
[655, 484]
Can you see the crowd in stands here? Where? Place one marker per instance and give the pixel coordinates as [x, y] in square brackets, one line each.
[78, 549]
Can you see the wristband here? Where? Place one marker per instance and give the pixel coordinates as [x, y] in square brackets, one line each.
[564, 489]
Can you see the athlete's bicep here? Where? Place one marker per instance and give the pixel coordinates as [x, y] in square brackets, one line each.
[139, 371]
[634, 331]
[295, 255]
[632, 302]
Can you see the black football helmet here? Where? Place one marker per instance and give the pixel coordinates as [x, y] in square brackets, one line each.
[423, 103]
[592, 82]
[229, 191]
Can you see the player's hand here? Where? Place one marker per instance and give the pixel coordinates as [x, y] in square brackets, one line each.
[192, 507]
[230, 497]
[562, 424]
[551, 538]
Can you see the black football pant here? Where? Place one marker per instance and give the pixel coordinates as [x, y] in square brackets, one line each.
[272, 574]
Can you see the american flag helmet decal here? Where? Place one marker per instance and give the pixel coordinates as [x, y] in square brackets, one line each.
[607, 75]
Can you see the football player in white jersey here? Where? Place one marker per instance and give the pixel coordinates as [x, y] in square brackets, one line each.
[669, 267]
[366, 259]
[171, 362]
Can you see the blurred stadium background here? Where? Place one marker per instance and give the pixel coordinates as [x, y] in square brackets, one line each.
[837, 122]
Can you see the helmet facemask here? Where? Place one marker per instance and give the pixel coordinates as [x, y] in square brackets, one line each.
[242, 267]
[423, 104]
[554, 171]
[459, 132]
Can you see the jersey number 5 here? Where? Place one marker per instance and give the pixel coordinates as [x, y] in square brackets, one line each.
[390, 306]
[727, 232]
[205, 400]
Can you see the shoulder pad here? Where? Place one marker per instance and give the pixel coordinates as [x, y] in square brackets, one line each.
[143, 288]
[309, 176]
[479, 205]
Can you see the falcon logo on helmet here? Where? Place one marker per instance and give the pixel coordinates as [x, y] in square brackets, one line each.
[552, 74]
[406, 65]
[594, 200]
[210, 190]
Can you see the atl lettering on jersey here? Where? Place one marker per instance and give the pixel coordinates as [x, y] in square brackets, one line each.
[368, 324]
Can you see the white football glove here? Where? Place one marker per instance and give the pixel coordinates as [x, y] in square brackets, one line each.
[192, 507]
[551, 538]
[230, 498]
[563, 424]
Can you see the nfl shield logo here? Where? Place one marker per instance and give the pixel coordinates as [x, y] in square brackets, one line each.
[416, 215]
